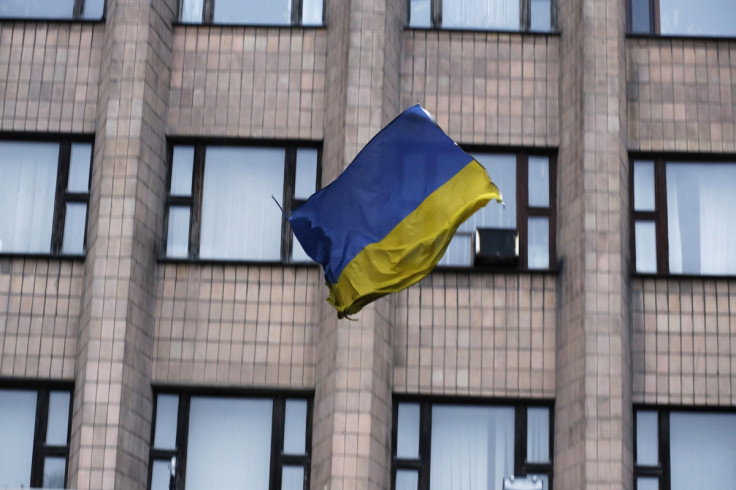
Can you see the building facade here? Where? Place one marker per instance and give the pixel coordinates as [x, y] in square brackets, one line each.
[159, 326]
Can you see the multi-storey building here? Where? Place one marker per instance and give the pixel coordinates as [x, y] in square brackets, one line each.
[157, 318]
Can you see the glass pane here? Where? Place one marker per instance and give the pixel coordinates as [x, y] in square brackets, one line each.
[312, 13]
[407, 479]
[306, 173]
[459, 252]
[701, 18]
[295, 427]
[58, 423]
[167, 415]
[640, 23]
[702, 450]
[27, 190]
[537, 435]
[177, 239]
[161, 475]
[37, 9]
[480, 14]
[647, 438]
[54, 471]
[472, 446]
[647, 483]
[17, 424]
[75, 223]
[181, 171]
[297, 251]
[538, 246]
[255, 12]
[541, 15]
[539, 182]
[239, 218]
[229, 443]
[407, 431]
[645, 237]
[93, 9]
[420, 13]
[292, 478]
[191, 11]
[79, 162]
[643, 186]
[502, 170]
[701, 218]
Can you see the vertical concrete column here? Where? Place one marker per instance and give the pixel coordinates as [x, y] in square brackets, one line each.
[593, 423]
[352, 427]
[112, 400]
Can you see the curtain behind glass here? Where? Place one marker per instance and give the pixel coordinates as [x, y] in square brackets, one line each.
[17, 424]
[37, 9]
[702, 17]
[702, 450]
[229, 443]
[239, 218]
[27, 190]
[481, 14]
[701, 218]
[472, 447]
[253, 12]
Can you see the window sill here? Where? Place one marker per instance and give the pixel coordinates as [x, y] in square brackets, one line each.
[679, 37]
[51, 20]
[266, 263]
[180, 23]
[50, 256]
[704, 277]
[554, 33]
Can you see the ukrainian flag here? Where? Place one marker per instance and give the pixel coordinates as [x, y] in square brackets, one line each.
[386, 221]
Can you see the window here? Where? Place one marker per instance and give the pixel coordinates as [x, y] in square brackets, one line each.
[34, 446]
[526, 218]
[220, 204]
[684, 217]
[683, 17]
[52, 9]
[252, 12]
[44, 192]
[503, 15]
[451, 444]
[230, 442]
[684, 449]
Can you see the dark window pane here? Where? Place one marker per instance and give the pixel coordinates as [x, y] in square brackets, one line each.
[58, 421]
[640, 22]
[93, 9]
[643, 186]
[647, 438]
[54, 469]
[539, 182]
[239, 218]
[312, 12]
[75, 222]
[538, 242]
[541, 15]
[37, 9]
[17, 423]
[273, 12]
[407, 431]
[191, 11]
[420, 13]
[537, 435]
[645, 237]
[407, 479]
[698, 18]
[27, 190]
[177, 239]
[167, 409]
[181, 171]
[306, 173]
[292, 478]
[295, 427]
[481, 14]
[79, 163]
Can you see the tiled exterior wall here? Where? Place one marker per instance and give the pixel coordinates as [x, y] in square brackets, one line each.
[681, 95]
[248, 82]
[236, 325]
[39, 317]
[477, 334]
[485, 88]
[684, 341]
[49, 76]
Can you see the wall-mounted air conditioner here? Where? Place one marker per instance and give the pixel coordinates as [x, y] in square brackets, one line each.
[494, 246]
[528, 483]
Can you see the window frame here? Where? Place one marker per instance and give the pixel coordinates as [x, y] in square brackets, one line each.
[77, 15]
[194, 202]
[62, 196]
[523, 211]
[277, 459]
[659, 215]
[208, 12]
[435, 16]
[40, 449]
[422, 465]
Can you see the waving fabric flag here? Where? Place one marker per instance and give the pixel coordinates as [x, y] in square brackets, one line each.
[387, 220]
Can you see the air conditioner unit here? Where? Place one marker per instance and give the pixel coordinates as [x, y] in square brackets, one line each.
[528, 483]
[495, 246]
